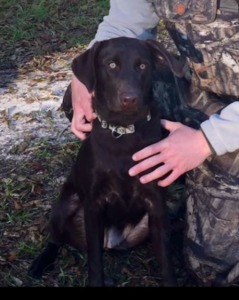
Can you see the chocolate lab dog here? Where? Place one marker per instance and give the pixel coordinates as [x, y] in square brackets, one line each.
[100, 205]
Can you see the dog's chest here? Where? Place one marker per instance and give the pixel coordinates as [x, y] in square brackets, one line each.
[115, 154]
[126, 204]
[124, 199]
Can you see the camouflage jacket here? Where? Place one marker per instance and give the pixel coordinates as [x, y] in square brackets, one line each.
[207, 33]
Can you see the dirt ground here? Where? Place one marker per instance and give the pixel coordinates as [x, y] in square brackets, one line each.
[36, 152]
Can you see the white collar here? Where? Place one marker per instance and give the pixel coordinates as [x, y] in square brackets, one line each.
[118, 131]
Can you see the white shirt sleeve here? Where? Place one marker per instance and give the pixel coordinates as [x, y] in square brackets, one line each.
[222, 131]
[130, 18]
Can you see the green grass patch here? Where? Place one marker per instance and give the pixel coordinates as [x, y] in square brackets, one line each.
[37, 27]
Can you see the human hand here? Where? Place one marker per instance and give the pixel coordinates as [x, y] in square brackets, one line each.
[183, 150]
[83, 114]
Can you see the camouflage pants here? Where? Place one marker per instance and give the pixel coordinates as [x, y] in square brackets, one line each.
[212, 216]
[212, 193]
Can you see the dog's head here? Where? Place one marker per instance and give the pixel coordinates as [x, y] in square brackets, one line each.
[120, 72]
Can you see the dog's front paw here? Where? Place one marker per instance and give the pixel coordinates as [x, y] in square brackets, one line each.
[38, 267]
[44, 262]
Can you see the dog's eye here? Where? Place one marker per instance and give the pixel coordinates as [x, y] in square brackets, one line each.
[142, 66]
[112, 65]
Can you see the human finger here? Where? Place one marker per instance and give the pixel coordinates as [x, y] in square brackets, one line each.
[149, 151]
[90, 115]
[169, 125]
[156, 174]
[79, 127]
[146, 164]
[170, 178]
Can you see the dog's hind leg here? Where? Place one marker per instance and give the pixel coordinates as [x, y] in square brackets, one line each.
[45, 261]
[59, 226]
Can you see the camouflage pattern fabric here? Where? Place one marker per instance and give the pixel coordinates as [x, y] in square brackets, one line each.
[212, 215]
[208, 37]
[203, 11]
[212, 51]
[212, 238]
[211, 46]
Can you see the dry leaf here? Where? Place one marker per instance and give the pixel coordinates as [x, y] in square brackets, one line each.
[17, 206]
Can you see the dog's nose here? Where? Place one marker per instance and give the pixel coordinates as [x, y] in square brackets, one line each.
[128, 101]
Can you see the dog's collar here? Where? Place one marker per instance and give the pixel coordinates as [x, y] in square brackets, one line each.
[118, 131]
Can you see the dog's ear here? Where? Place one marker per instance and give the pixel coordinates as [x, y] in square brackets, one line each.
[83, 66]
[177, 66]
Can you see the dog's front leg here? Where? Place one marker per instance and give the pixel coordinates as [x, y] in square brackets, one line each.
[45, 261]
[158, 227]
[95, 237]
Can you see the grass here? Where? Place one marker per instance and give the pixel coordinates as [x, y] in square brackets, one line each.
[37, 27]
[26, 194]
